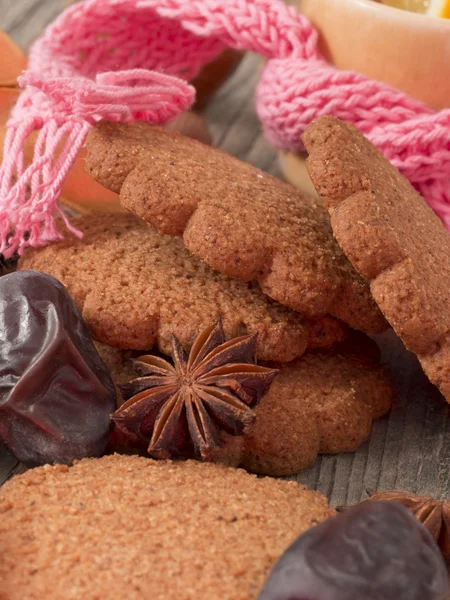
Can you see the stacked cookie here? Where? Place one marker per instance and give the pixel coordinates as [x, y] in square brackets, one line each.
[391, 236]
[211, 238]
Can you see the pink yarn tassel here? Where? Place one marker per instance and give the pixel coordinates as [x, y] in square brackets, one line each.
[31, 201]
[29, 196]
[130, 59]
[68, 89]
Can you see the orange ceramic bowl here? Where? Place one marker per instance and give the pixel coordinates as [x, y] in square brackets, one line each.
[407, 50]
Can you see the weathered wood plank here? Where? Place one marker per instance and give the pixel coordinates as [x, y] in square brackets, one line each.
[410, 449]
[7, 464]
[25, 19]
[407, 450]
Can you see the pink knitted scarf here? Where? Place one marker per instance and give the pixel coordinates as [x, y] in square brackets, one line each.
[131, 59]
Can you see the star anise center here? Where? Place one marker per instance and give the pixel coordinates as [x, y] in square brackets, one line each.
[181, 409]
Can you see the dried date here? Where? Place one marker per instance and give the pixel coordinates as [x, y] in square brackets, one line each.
[56, 394]
[374, 551]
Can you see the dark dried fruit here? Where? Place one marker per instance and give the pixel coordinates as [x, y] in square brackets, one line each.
[434, 514]
[56, 394]
[180, 409]
[373, 551]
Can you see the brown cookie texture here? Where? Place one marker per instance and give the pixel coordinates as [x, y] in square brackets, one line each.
[136, 287]
[323, 403]
[143, 529]
[391, 236]
[238, 219]
[117, 361]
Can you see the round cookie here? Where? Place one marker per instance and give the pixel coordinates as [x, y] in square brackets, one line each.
[136, 287]
[323, 403]
[391, 236]
[239, 220]
[137, 528]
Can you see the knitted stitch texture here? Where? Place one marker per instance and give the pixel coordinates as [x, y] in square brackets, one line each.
[132, 59]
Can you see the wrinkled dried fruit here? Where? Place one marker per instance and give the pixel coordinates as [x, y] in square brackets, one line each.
[373, 551]
[434, 514]
[56, 393]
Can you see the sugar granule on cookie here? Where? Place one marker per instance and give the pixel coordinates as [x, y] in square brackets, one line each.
[241, 221]
[131, 527]
[136, 287]
[391, 236]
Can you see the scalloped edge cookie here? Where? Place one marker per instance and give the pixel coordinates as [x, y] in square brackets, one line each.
[238, 219]
[391, 236]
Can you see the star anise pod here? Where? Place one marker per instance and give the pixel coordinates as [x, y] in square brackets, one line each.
[180, 409]
[434, 514]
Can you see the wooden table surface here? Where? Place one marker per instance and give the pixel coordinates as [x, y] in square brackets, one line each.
[408, 450]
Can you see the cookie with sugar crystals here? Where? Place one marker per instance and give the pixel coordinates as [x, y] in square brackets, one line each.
[391, 236]
[238, 219]
[136, 287]
[147, 529]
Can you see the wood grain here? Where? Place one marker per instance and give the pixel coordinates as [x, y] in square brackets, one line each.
[25, 19]
[408, 450]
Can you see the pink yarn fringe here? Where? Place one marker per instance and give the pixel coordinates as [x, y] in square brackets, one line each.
[131, 59]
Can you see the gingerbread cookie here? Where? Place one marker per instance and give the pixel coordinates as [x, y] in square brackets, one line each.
[136, 287]
[241, 221]
[391, 236]
[322, 403]
[135, 527]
